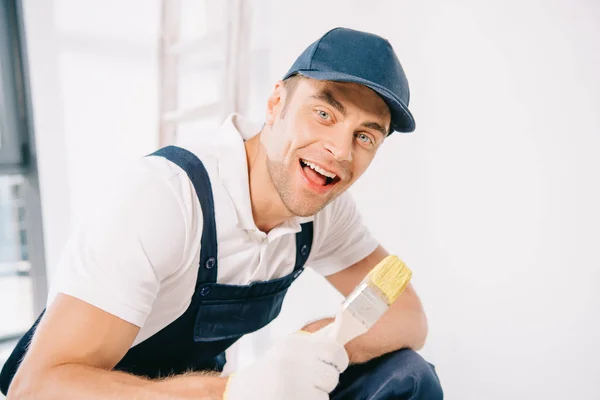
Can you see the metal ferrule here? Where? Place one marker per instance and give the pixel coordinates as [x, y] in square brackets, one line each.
[366, 305]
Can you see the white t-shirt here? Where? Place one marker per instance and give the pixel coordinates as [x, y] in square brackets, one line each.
[137, 255]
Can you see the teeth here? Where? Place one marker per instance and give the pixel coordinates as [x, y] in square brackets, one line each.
[319, 169]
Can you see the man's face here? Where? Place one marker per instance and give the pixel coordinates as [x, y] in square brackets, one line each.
[321, 140]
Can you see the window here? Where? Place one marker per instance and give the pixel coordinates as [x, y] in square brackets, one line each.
[22, 269]
[214, 61]
[16, 308]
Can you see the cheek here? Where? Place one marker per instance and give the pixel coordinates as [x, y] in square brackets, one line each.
[277, 142]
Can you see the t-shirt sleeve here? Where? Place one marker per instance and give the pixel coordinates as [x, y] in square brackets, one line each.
[342, 238]
[130, 241]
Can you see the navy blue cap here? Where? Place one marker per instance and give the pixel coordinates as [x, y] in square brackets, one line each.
[347, 55]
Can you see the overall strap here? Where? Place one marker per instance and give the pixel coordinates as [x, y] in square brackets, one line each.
[196, 172]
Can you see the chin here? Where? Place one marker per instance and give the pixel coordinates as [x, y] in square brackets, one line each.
[302, 210]
[306, 209]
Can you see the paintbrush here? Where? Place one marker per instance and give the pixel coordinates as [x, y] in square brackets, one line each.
[369, 300]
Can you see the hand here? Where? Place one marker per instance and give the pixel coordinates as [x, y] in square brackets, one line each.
[299, 367]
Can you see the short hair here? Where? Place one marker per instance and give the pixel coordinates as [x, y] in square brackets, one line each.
[290, 85]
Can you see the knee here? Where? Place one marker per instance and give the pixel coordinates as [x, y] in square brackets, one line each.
[406, 367]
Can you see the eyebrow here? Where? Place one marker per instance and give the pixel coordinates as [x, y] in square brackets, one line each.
[326, 96]
[377, 127]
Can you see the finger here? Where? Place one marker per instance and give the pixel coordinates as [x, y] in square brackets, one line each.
[333, 353]
[319, 395]
[325, 376]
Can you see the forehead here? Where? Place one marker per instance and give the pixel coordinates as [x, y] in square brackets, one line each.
[353, 96]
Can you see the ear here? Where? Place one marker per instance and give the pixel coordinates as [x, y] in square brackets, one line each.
[275, 102]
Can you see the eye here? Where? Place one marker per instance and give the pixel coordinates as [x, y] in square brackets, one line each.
[364, 138]
[323, 114]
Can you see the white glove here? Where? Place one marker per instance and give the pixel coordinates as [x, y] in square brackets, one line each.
[300, 367]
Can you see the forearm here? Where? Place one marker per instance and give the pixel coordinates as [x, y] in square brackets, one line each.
[84, 382]
[395, 330]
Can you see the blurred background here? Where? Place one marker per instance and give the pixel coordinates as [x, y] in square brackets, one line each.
[492, 202]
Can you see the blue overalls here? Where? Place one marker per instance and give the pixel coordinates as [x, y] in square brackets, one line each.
[219, 315]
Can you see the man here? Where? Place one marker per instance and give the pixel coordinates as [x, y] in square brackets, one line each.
[199, 246]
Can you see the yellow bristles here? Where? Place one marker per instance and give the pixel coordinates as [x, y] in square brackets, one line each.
[391, 276]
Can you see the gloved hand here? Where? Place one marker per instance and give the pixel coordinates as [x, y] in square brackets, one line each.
[299, 367]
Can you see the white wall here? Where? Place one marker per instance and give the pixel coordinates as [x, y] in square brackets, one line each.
[492, 201]
[93, 71]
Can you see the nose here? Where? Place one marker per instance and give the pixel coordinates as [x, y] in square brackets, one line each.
[340, 145]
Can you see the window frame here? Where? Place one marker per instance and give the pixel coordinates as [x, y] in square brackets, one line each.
[17, 153]
[13, 111]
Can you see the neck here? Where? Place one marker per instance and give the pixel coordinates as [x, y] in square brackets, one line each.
[268, 210]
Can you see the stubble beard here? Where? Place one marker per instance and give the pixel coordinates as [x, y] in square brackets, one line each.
[294, 203]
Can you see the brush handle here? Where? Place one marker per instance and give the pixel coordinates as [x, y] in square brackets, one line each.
[344, 328]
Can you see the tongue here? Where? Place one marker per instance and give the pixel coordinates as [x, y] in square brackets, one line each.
[314, 176]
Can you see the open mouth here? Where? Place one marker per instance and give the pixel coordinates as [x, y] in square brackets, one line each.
[317, 175]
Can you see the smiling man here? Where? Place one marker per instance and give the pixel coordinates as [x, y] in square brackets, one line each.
[198, 247]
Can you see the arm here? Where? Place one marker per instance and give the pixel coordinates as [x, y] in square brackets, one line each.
[73, 351]
[404, 325]
[107, 281]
